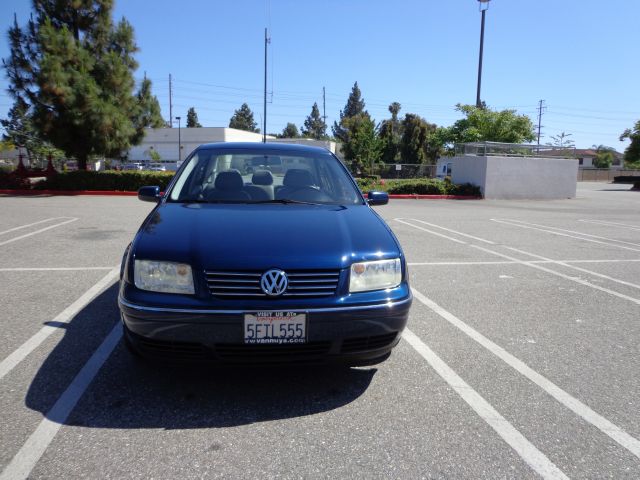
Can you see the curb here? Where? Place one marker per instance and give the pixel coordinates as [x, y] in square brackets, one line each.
[115, 193]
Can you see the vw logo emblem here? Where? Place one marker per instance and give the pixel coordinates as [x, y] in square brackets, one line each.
[274, 282]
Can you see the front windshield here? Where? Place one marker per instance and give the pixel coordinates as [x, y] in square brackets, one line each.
[255, 176]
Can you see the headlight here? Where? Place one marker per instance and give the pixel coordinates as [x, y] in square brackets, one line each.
[166, 277]
[376, 275]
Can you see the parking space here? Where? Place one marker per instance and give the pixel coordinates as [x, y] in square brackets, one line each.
[520, 359]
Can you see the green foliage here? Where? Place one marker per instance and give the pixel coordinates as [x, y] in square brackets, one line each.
[604, 157]
[418, 186]
[155, 155]
[486, 125]
[242, 119]
[314, 126]
[632, 152]
[355, 106]
[74, 67]
[363, 147]
[420, 142]
[290, 131]
[107, 180]
[192, 119]
[562, 140]
[391, 133]
[9, 180]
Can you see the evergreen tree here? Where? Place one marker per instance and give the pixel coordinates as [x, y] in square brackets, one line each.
[418, 144]
[242, 119]
[192, 119]
[19, 128]
[314, 126]
[355, 106]
[147, 113]
[290, 131]
[390, 133]
[74, 68]
[632, 152]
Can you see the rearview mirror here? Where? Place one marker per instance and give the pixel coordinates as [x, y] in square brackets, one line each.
[377, 198]
[149, 194]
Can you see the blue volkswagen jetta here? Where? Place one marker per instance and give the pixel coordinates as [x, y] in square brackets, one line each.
[241, 262]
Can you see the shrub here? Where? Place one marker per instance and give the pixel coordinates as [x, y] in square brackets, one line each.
[108, 180]
[418, 186]
[9, 180]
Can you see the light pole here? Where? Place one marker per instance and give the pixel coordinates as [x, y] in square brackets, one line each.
[484, 6]
[179, 141]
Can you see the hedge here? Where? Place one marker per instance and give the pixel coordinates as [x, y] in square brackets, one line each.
[107, 180]
[419, 186]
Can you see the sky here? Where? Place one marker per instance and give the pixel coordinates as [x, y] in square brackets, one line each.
[579, 56]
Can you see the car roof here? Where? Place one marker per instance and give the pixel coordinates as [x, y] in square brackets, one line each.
[264, 147]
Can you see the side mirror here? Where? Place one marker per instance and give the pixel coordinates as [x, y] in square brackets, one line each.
[377, 198]
[149, 194]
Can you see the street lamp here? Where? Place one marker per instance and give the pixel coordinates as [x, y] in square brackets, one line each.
[484, 6]
[179, 141]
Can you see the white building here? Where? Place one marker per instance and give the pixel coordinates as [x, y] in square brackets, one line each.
[165, 142]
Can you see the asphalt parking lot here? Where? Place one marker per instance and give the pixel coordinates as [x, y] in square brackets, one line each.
[521, 357]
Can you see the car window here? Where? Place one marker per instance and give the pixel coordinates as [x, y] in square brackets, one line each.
[246, 176]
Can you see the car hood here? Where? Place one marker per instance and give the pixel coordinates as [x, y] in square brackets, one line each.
[257, 237]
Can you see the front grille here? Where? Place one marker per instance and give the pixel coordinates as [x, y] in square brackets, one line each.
[317, 283]
[171, 350]
[351, 345]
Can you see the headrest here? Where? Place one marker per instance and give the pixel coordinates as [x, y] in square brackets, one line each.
[262, 177]
[297, 177]
[229, 180]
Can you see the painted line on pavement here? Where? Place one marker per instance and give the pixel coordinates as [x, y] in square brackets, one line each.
[544, 269]
[537, 460]
[564, 264]
[451, 231]
[509, 262]
[73, 219]
[31, 224]
[564, 234]
[582, 410]
[613, 224]
[23, 462]
[431, 232]
[65, 316]
[53, 269]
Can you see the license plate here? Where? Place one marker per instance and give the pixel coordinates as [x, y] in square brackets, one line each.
[275, 327]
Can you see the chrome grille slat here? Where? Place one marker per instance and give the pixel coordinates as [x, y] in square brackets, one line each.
[247, 284]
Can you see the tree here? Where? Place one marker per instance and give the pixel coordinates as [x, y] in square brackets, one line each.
[632, 152]
[147, 113]
[418, 140]
[290, 131]
[562, 140]
[391, 133]
[242, 119]
[192, 119]
[355, 106]
[605, 156]
[19, 127]
[74, 68]
[486, 125]
[314, 126]
[365, 146]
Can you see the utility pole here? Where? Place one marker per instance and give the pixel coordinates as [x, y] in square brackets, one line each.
[324, 109]
[170, 105]
[267, 40]
[541, 109]
[484, 6]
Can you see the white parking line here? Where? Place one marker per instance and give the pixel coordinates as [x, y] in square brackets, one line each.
[509, 262]
[65, 316]
[613, 224]
[583, 411]
[513, 224]
[431, 232]
[23, 462]
[31, 224]
[537, 460]
[564, 264]
[53, 269]
[452, 231]
[72, 219]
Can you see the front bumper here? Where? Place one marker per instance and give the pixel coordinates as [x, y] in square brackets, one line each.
[355, 335]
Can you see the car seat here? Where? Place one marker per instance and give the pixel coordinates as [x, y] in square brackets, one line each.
[228, 186]
[261, 187]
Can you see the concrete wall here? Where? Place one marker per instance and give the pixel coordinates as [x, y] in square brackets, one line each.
[517, 177]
